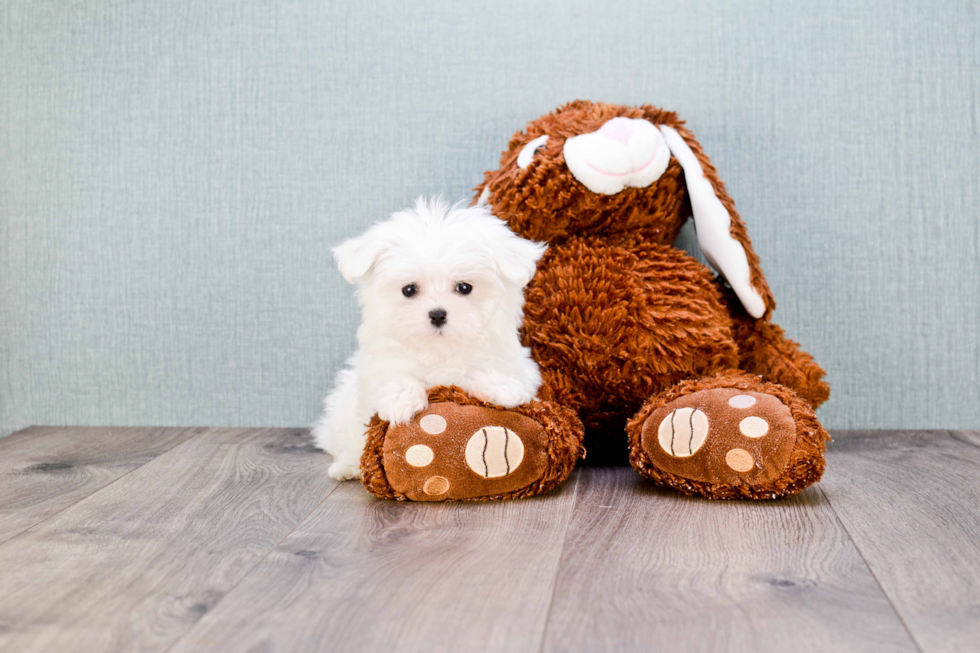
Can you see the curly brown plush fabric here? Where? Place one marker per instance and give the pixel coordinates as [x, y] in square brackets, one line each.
[563, 428]
[619, 319]
[764, 349]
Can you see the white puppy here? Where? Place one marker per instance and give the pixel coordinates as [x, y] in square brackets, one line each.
[441, 294]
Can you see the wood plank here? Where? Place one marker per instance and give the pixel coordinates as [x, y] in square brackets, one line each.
[648, 569]
[911, 502]
[136, 564]
[43, 470]
[368, 575]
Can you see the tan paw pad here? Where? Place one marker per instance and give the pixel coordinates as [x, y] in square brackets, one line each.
[742, 401]
[494, 451]
[419, 455]
[682, 432]
[436, 485]
[740, 460]
[433, 424]
[753, 427]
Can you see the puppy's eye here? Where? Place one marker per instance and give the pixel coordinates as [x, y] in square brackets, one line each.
[410, 290]
[527, 154]
[464, 288]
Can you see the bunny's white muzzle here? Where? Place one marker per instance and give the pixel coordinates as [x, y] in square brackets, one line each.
[624, 152]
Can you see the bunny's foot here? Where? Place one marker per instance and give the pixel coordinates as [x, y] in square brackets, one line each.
[462, 449]
[730, 436]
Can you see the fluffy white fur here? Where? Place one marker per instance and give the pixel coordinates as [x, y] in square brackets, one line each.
[402, 353]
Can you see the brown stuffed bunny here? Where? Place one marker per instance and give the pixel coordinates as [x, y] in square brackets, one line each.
[632, 334]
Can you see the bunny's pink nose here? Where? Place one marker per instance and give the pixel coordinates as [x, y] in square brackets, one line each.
[619, 129]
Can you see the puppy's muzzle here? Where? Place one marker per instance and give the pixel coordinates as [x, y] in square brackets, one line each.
[438, 317]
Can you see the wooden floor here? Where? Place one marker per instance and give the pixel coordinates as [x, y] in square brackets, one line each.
[236, 540]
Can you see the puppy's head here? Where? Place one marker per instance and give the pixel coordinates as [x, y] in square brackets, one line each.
[439, 272]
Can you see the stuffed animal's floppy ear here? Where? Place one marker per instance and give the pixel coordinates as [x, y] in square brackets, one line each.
[519, 260]
[356, 256]
[721, 233]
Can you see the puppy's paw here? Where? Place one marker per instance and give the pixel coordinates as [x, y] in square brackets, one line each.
[341, 471]
[502, 390]
[398, 404]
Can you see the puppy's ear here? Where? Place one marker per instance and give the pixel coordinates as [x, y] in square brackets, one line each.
[721, 233]
[356, 256]
[519, 260]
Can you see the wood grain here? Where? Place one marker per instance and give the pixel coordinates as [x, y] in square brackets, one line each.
[231, 540]
[911, 502]
[646, 569]
[43, 470]
[136, 564]
[368, 575]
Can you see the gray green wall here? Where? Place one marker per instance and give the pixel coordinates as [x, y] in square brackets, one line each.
[172, 174]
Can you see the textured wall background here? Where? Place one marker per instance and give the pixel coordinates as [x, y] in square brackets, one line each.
[172, 174]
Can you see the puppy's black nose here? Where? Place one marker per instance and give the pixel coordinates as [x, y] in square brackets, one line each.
[437, 316]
